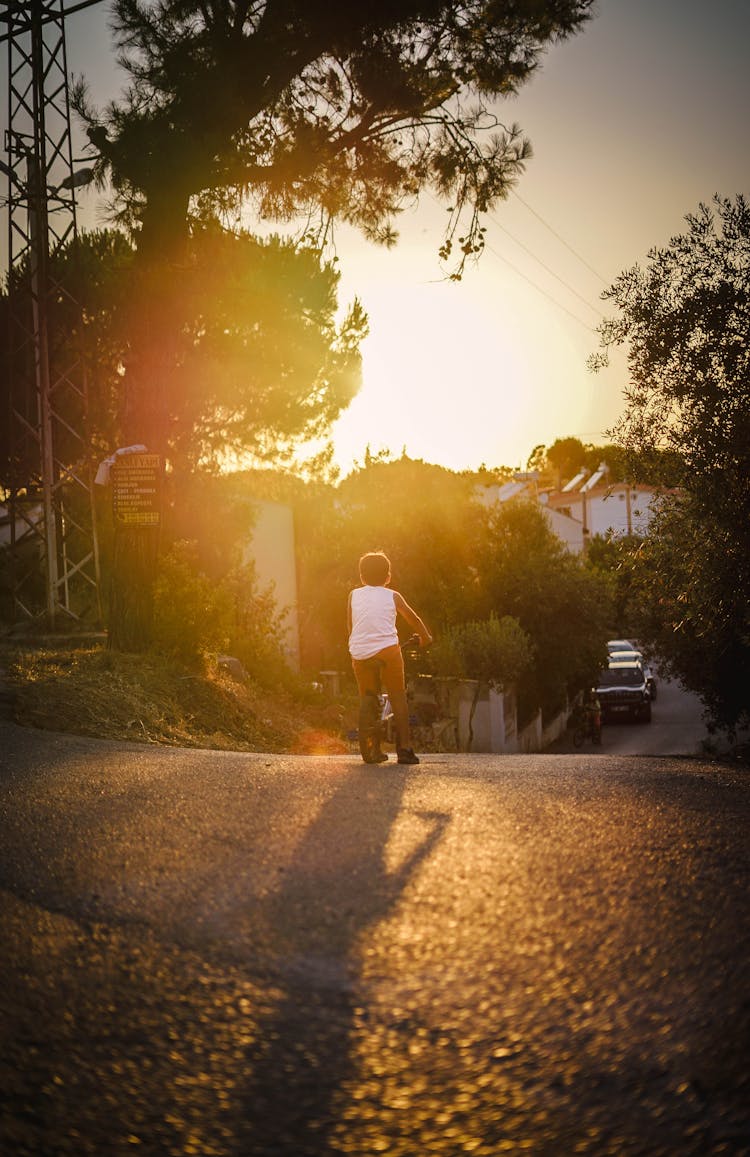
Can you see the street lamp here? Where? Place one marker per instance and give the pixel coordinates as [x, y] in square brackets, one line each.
[75, 181]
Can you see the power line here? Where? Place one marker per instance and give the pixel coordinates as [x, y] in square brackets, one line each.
[539, 289]
[533, 284]
[559, 238]
[547, 268]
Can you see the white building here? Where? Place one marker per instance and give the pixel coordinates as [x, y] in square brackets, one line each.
[20, 527]
[586, 506]
[607, 508]
[566, 527]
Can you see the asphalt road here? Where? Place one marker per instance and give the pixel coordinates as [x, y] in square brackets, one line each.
[214, 953]
[676, 728]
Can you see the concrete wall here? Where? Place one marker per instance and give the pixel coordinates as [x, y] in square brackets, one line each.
[530, 739]
[271, 548]
[492, 727]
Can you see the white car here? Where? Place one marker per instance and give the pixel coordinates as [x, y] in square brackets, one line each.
[614, 645]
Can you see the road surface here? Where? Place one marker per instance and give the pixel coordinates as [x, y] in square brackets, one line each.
[676, 728]
[213, 953]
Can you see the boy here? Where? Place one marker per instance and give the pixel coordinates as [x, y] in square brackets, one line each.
[371, 618]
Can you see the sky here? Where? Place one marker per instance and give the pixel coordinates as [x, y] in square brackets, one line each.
[633, 122]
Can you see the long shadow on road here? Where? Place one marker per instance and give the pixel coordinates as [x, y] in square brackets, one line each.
[336, 889]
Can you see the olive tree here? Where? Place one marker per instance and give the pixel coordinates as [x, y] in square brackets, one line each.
[685, 319]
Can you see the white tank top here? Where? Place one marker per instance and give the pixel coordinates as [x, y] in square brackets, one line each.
[373, 621]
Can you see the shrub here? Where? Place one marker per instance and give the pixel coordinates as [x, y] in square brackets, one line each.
[257, 633]
[196, 616]
[192, 614]
[496, 651]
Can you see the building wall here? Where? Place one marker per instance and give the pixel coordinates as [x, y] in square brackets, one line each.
[576, 515]
[271, 548]
[21, 529]
[568, 529]
[616, 508]
[622, 509]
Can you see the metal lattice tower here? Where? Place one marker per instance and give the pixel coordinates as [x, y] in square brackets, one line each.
[54, 571]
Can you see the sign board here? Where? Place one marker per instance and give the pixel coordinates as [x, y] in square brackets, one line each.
[136, 490]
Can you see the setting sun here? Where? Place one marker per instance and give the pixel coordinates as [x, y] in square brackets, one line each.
[464, 373]
[484, 370]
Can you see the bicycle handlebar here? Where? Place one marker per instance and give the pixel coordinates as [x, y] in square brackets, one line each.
[413, 641]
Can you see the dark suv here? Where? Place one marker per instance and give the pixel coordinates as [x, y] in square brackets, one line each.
[622, 691]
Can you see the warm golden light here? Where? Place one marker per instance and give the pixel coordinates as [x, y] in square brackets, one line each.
[483, 371]
[465, 374]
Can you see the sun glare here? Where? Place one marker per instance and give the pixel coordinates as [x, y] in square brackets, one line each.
[464, 375]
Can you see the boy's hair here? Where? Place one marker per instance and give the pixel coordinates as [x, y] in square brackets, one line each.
[374, 568]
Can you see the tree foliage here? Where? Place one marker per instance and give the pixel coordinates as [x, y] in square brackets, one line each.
[691, 602]
[319, 106]
[458, 564]
[198, 615]
[615, 557]
[566, 457]
[419, 514]
[260, 363]
[496, 651]
[564, 606]
[685, 318]
[320, 109]
[83, 341]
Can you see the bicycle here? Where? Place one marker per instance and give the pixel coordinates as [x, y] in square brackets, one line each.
[376, 713]
[586, 727]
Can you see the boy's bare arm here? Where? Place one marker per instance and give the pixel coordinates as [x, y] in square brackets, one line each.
[412, 618]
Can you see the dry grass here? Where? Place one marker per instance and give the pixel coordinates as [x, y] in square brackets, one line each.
[92, 691]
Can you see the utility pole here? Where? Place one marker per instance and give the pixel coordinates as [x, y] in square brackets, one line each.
[48, 473]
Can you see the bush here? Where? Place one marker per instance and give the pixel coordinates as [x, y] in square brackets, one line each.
[494, 651]
[192, 614]
[196, 616]
[257, 634]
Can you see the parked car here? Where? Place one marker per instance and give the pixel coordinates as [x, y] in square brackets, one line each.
[623, 692]
[637, 657]
[614, 645]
